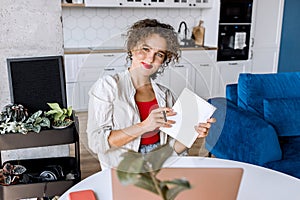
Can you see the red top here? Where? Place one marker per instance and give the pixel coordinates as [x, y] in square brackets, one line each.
[145, 108]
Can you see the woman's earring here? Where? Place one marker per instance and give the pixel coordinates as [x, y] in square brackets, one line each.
[129, 57]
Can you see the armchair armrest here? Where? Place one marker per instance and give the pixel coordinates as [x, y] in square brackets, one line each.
[242, 136]
[231, 92]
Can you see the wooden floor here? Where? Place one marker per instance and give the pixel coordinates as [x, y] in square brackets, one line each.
[89, 161]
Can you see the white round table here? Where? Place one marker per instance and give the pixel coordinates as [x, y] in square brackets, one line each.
[257, 182]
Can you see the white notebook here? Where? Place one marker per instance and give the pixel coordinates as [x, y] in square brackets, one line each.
[191, 109]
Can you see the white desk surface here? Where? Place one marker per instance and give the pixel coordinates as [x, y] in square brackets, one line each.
[257, 183]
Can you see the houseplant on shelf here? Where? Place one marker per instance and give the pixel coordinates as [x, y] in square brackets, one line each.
[13, 112]
[141, 170]
[61, 117]
[15, 119]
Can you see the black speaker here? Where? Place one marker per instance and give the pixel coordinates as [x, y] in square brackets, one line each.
[36, 81]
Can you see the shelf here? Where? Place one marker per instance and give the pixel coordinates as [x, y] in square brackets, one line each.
[142, 4]
[40, 189]
[35, 189]
[44, 138]
[73, 5]
[43, 176]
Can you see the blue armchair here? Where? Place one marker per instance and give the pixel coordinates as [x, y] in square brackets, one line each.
[259, 122]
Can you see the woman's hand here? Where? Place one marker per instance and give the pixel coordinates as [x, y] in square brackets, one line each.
[156, 119]
[203, 128]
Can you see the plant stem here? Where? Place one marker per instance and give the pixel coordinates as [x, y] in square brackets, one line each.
[154, 179]
[156, 184]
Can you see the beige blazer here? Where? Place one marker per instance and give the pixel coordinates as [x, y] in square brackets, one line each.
[111, 107]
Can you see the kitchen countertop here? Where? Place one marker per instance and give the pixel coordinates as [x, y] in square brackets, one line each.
[121, 50]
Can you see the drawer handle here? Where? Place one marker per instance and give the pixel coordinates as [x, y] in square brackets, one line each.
[204, 65]
[109, 69]
[232, 63]
[108, 55]
[179, 66]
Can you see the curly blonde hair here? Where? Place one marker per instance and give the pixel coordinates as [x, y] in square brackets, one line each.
[142, 29]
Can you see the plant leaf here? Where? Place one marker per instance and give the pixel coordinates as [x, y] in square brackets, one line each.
[65, 110]
[54, 106]
[38, 120]
[51, 112]
[28, 126]
[63, 117]
[69, 113]
[36, 128]
[127, 178]
[129, 167]
[145, 182]
[180, 185]
[132, 162]
[158, 156]
[18, 169]
[58, 115]
[45, 122]
[37, 114]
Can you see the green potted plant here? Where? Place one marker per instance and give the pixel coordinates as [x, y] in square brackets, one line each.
[13, 113]
[141, 170]
[36, 121]
[14, 119]
[61, 117]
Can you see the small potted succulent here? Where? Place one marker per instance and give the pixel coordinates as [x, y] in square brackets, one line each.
[61, 117]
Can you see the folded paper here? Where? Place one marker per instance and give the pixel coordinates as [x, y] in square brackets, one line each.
[191, 109]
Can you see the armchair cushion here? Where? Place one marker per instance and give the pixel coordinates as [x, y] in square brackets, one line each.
[253, 88]
[290, 167]
[242, 136]
[290, 163]
[284, 115]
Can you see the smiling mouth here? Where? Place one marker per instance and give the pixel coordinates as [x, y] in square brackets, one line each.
[147, 66]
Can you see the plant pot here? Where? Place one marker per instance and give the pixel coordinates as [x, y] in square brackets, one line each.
[66, 123]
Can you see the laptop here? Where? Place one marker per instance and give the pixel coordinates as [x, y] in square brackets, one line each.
[206, 183]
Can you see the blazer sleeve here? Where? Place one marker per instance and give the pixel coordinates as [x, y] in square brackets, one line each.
[100, 122]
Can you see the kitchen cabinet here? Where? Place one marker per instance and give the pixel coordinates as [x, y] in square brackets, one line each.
[204, 63]
[194, 71]
[228, 73]
[150, 3]
[82, 71]
[177, 77]
[267, 25]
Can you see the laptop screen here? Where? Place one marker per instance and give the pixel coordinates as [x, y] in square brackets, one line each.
[206, 183]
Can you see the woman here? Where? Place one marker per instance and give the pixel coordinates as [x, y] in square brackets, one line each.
[126, 110]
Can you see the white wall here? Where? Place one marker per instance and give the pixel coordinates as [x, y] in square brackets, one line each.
[93, 27]
[28, 28]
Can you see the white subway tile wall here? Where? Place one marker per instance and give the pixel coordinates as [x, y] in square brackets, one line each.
[94, 27]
